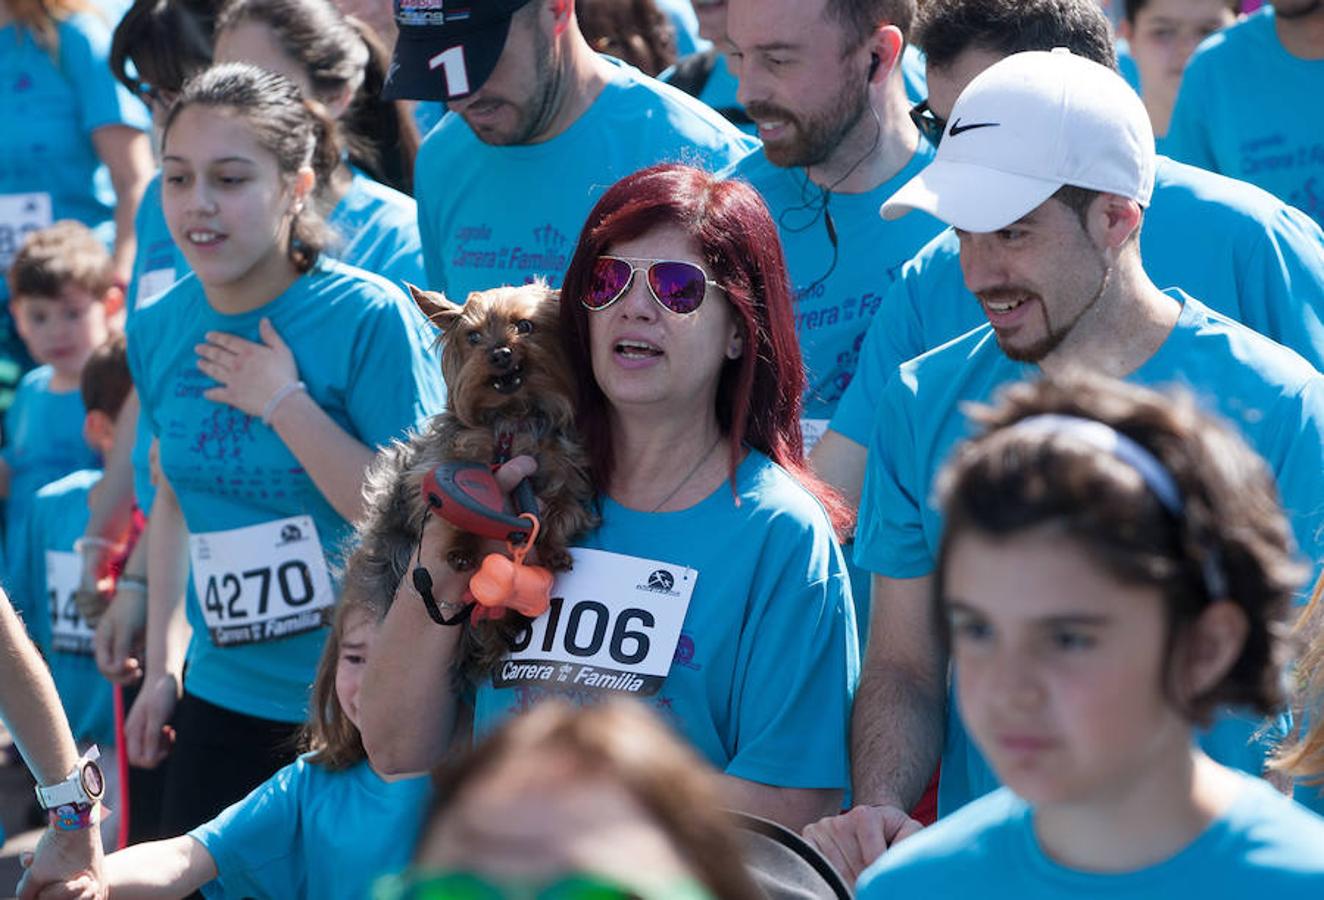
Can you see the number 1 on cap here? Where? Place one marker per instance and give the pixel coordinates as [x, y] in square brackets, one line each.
[457, 76]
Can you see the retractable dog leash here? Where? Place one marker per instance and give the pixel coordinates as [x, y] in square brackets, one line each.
[466, 495]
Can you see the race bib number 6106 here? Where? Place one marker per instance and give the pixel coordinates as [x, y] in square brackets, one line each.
[262, 582]
[613, 625]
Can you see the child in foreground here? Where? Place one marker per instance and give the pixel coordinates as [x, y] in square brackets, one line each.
[324, 826]
[1115, 567]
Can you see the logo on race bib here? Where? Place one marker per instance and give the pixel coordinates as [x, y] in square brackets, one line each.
[290, 534]
[660, 582]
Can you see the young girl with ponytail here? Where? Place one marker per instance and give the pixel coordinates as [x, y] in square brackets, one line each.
[268, 377]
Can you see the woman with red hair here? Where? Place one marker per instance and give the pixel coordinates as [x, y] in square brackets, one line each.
[714, 588]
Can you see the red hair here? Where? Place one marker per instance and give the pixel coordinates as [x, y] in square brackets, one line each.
[759, 394]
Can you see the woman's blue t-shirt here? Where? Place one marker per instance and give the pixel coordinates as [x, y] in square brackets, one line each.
[50, 104]
[764, 670]
[361, 348]
[375, 229]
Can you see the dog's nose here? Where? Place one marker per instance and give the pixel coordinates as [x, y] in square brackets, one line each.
[500, 357]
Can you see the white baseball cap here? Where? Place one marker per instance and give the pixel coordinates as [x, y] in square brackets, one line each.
[1025, 127]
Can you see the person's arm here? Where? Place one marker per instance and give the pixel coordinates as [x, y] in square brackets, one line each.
[408, 702]
[839, 461]
[118, 638]
[257, 379]
[29, 705]
[146, 734]
[32, 712]
[127, 153]
[159, 870]
[896, 727]
[793, 807]
[112, 502]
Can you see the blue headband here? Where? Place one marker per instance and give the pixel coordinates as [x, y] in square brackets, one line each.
[1152, 472]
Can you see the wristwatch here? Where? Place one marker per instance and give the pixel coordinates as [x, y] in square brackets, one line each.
[72, 801]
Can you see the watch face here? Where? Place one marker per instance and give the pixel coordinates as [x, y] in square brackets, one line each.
[93, 781]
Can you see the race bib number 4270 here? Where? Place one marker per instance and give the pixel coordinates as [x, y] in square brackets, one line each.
[262, 582]
[613, 625]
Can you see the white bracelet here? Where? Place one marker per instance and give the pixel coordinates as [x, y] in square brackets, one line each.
[279, 397]
[100, 543]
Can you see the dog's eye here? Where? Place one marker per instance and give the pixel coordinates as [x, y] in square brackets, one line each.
[524, 326]
[474, 338]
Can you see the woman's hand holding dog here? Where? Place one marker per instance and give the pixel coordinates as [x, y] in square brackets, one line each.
[250, 374]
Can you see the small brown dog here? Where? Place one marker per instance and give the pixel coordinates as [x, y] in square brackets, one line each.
[509, 389]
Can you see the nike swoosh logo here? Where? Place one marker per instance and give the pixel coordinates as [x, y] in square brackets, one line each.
[958, 128]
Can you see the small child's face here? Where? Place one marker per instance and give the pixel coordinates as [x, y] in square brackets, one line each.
[62, 331]
[1059, 668]
[360, 633]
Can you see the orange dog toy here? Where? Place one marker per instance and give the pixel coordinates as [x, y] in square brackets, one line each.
[501, 583]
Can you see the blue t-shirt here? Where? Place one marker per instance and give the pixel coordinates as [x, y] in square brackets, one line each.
[43, 442]
[1226, 122]
[308, 832]
[837, 291]
[157, 262]
[57, 518]
[718, 92]
[765, 667]
[427, 113]
[1126, 65]
[378, 231]
[157, 265]
[378, 228]
[914, 68]
[1274, 396]
[361, 348]
[49, 107]
[1262, 845]
[493, 215]
[1240, 250]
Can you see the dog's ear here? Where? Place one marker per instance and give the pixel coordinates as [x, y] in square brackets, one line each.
[438, 310]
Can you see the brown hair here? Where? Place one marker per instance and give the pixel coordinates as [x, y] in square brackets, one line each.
[621, 741]
[339, 52]
[333, 740]
[634, 31]
[40, 17]
[105, 381]
[162, 43]
[1008, 481]
[859, 19]
[1304, 758]
[63, 254]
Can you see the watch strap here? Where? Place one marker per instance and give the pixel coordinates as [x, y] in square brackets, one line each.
[70, 791]
[73, 816]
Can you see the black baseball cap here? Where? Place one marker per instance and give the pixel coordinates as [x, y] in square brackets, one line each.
[447, 49]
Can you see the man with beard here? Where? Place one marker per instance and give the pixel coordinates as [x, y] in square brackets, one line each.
[1049, 244]
[822, 79]
[1244, 107]
[1241, 250]
[539, 126]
